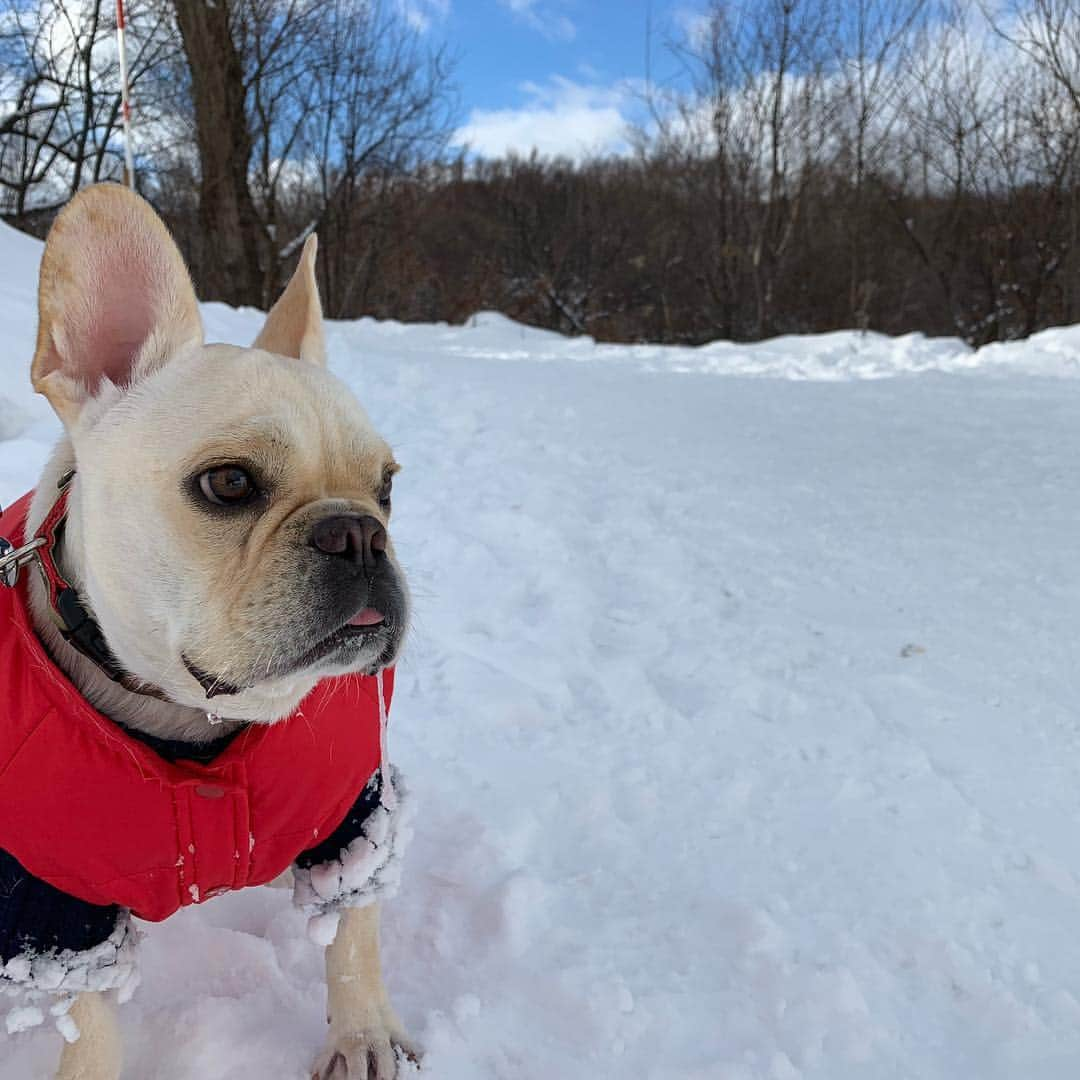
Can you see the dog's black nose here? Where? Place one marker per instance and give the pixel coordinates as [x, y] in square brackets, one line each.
[360, 538]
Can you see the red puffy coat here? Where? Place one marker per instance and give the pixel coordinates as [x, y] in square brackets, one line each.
[96, 813]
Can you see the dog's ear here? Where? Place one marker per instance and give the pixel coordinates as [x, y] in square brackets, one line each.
[294, 326]
[114, 302]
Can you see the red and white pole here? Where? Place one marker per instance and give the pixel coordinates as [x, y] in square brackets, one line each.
[125, 97]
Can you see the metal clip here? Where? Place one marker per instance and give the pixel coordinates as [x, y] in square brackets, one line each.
[13, 559]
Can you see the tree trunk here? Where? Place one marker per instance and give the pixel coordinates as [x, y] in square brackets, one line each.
[227, 217]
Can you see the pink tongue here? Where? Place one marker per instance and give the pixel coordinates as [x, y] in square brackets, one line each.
[368, 617]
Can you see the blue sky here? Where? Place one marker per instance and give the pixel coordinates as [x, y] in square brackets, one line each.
[562, 75]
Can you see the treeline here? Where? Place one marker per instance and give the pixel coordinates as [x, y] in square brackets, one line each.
[894, 165]
[637, 250]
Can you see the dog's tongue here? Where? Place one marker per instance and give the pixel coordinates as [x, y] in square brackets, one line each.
[368, 617]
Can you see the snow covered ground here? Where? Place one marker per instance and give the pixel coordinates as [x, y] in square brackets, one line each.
[743, 707]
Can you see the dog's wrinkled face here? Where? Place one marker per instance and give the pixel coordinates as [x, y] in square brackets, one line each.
[232, 505]
[234, 508]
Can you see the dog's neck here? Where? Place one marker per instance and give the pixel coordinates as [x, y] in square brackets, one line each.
[142, 712]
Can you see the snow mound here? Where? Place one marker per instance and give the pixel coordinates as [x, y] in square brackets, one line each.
[741, 705]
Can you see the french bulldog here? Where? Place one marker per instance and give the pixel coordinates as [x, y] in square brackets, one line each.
[227, 533]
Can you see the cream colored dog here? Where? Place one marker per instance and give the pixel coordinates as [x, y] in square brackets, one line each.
[202, 471]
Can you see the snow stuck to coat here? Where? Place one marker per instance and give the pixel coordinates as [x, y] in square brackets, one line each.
[368, 870]
[36, 986]
[742, 708]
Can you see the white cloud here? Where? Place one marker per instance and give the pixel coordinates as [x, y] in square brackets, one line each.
[695, 24]
[420, 14]
[563, 118]
[542, 18]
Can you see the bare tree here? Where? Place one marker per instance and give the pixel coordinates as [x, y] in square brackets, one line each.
[294, 99]
[226, 210]
[382, 107]
[872, 43]
[1047, 31]
[761, 83]
[993, 142]
[59, 129]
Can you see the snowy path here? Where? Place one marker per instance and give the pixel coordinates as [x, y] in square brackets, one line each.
[743, 713]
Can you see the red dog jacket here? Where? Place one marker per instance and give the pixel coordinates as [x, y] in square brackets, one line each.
[96, 813]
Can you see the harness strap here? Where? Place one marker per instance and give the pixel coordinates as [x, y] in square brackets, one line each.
[76, 625]
[50, 530]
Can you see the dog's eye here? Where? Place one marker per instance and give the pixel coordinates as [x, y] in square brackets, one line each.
[384, 493]
[227, 486]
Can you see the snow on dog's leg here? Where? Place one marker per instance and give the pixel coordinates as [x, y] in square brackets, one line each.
[96, 1053]
[366, 1036]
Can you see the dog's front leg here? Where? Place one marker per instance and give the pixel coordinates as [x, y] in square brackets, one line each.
[96, 1054]
[365, 1033]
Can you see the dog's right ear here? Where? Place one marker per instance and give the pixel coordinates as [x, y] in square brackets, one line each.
[114, 302]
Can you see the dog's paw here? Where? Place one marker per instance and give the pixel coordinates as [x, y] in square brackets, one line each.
[376, 1053]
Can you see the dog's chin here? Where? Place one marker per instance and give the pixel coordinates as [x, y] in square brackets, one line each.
[277, 687]
[352, 649]
[349, 650]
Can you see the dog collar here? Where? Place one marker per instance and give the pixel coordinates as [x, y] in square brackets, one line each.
[76, 625]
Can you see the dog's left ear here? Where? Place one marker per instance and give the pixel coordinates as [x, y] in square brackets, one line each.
[294, 326]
